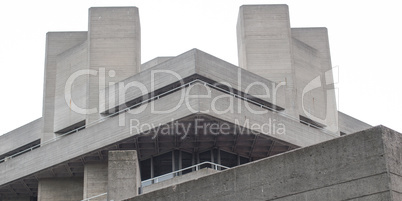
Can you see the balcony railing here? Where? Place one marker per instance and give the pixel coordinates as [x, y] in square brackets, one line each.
[169, 176]
[96, 196]
[180, 172]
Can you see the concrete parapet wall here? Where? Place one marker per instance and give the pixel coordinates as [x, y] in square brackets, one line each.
[153, 62]
[363, 165]
[21, 136]
[70, 62]
[349, 125]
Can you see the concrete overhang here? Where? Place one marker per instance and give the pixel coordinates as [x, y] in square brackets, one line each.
[67, 155]
[20, 137]
[185, 68]
[106, 134]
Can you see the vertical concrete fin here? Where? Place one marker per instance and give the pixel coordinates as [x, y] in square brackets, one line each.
[321, 101]
[56, 43]
[264, 46]
[114, 44]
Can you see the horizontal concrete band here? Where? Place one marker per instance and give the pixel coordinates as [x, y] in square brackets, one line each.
[109, 132]
[361, 165]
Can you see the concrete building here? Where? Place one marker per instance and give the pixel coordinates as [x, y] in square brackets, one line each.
[192, 126]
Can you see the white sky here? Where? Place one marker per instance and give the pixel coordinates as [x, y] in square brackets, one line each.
[365, 41]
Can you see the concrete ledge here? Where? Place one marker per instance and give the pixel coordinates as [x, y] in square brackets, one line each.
[21, 136]
[357, 166]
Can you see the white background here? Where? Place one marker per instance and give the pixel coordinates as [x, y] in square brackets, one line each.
[365, 41]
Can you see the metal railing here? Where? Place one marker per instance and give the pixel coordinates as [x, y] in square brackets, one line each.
[157, 97]
[169, 176]
[93, 197]
[180, 172]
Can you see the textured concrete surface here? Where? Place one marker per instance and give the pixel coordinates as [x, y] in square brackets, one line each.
[109, 132]
[56, 43]
[21, 136]
[179, 179]
[68, 63]
[349, 125]
[265, 48]
[95, 180]
[264, 44]
[124, 176]
[360, 166]
[344, 168]
[196, 62]
[60, 189]
[300, 57]
[312, 60]
[153, 62]
[114, 42]
[15, 198]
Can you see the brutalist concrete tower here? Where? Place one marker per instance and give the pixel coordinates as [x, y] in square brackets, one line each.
[297, 57]
[76, 64]
[192, 126]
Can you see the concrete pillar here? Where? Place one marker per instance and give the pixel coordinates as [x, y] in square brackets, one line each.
[95, 180]
[56, 43]
[264, 47]
[60, 189]
[114, 44]
[124, 177]
[312, 44]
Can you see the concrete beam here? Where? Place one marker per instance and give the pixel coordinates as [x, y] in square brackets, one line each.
[125, 126]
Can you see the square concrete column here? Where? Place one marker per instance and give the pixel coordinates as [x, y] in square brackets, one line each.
[60, 189]
[265, 48]
[114, 45]
[56, 43]
[95, 181]
[124, 176]
[312, 60]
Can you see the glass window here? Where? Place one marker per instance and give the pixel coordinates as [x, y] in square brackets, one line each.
[228, 159]
[205, 156]
[186, 161]
[145, 168]
[163, 164]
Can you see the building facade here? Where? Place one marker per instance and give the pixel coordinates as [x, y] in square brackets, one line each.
[114, 128]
